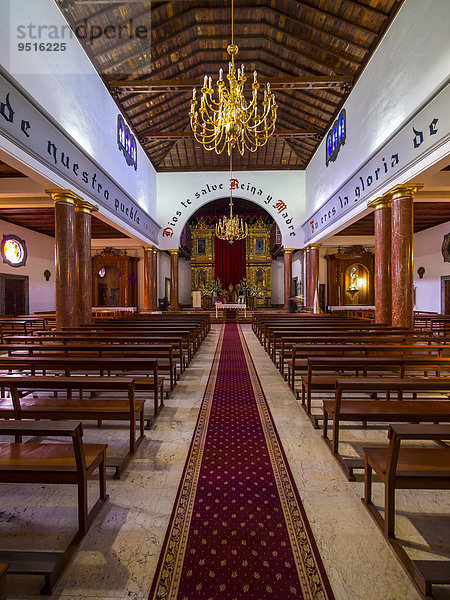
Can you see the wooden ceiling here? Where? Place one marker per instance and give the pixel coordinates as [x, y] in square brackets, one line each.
[6, 171]
[426, 214]
[316, 50]
[42, 220]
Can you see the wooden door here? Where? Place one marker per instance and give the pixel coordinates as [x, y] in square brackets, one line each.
[14, 296]
[447, 296]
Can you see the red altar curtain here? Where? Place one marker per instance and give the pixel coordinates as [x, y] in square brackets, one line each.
[229, 261]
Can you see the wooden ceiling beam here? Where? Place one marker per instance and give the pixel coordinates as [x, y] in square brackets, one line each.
[276, 83]
[284, 92]
[178, 135]
[296, 103]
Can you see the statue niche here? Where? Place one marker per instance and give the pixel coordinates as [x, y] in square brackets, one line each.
[114, 278]
[350, 277]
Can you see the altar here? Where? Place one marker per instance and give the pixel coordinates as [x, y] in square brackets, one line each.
[221, 306]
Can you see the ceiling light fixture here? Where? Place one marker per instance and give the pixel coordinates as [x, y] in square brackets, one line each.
[225, 119]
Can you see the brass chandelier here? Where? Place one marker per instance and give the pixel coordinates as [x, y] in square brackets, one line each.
[228, 120]
[231, 228]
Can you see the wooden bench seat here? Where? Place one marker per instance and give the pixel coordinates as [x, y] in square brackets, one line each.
[46, 406]
[300, 353]
[345, 408]
[102, 342]
[409, 468]
[145, 368]
[364, 365]
[62, 463]
[163, 352]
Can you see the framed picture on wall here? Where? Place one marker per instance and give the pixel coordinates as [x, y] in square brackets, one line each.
[167, 288]
[259, 246]
[201, 246]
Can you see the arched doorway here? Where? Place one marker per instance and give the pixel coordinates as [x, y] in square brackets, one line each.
[244, 265]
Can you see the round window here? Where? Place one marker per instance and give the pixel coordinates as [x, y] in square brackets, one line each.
[14, 251]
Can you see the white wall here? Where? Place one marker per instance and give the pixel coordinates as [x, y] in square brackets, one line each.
[67, 86]
[428, 254]
[277, 281]
[182, 194]
[410, 64]
[41, 256]
[184, 282]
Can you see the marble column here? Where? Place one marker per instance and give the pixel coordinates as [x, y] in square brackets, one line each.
[155, 279]
[83, 227]
[148, 272]
[402, 254]
[174, 280]
[314, 271]
[287, 275]
[307, 277]
[382, 275]
[66, 261]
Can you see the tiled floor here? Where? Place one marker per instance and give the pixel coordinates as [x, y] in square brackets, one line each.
[119, 555]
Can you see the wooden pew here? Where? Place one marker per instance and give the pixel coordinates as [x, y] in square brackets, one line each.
[93, 340]
[65, 463]
[164, 353]
[69, 365]
[409, 468]
[275, 336]
[301, 352]
[191, 336]
[336, 364]
[345, 408]
[23, 405]
[118, 337]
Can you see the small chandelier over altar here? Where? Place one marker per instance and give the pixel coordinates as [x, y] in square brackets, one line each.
[227, 119]
[231, 228]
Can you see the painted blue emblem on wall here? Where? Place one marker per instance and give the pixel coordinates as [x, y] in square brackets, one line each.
[126, 142]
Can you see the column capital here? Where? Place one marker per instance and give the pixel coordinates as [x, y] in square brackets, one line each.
[313, 246]
[403, 191]
[147, 248]
[64, 196]
[155, 250]
[85, 206]
[289, 250]
[381, 202]
[174, 251]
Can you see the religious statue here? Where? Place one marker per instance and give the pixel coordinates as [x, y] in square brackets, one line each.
[230, 294]
[353, 279]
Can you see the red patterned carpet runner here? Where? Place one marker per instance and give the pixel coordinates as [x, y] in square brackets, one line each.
[238, 529]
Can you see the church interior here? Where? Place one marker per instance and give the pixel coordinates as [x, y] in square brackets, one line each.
[225, 300]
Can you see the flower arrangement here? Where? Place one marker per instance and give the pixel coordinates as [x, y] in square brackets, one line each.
[214, 286]
[248, 288]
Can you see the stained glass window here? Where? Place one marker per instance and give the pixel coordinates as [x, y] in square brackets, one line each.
[14, 251]
[336, 138]
[126, 142]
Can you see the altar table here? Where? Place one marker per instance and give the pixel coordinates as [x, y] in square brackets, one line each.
[220, 306]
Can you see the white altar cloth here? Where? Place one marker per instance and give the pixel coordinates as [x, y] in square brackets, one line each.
[220, 306]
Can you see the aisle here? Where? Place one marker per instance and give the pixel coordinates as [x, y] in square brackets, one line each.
[238, 528]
